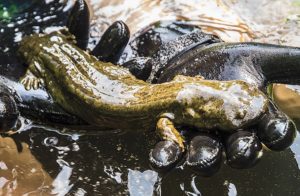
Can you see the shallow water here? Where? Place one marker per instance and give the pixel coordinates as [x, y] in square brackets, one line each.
[61, 161]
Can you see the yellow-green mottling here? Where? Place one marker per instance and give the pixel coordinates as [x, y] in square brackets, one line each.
[109, 96]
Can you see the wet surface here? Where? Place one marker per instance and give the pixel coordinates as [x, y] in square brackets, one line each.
[68, 161]
[58, 163]
[24, 18]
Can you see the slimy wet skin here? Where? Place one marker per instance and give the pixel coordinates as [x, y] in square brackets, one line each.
[109, 96]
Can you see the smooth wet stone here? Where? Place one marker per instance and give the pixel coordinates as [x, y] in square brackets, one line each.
[139, 67]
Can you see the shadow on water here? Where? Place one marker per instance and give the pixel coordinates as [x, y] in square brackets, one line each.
[54, 161]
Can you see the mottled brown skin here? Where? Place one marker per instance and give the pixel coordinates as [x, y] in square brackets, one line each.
[109, 96]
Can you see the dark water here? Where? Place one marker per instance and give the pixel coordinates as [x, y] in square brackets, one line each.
[25, 17]
[52, 160]
[102, 164]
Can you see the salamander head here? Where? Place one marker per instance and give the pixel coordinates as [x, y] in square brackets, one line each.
[226, 105]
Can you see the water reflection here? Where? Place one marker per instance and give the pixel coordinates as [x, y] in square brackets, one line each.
[61, 184]
[83, 164]
[141, 183]
[117, 164]
[231, 188]
[212, 16]
[19, 167]
[296, 150]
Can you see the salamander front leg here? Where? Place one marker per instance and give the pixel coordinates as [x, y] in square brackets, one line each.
[31, 80]
[168, 152]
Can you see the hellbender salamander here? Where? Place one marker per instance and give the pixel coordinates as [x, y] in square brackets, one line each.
[109, 96]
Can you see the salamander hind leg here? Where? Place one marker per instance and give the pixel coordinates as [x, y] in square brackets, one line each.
[166, 130]
[166, 154]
